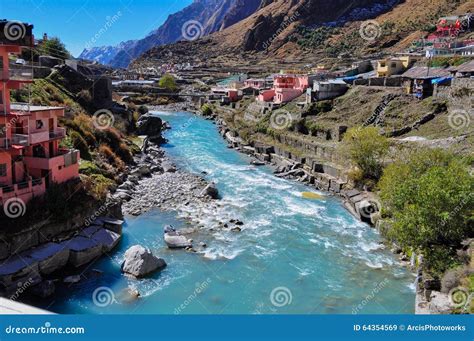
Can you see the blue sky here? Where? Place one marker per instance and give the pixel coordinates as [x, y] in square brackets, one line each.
[78, 22]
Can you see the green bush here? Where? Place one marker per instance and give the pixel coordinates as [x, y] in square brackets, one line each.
[366, 149]
[97, 185]
[206, 110]
[142, 109]
[79, 143]
[168, 82]
[89, 168]
[429, 196]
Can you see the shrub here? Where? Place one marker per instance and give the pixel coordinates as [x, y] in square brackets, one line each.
[111, 157]
[452, 278]
[428, 194]
[79, 143]
[142, 109]
[206, 110]
[168, 82]
[97, 185]
[89, 168]
[366, 149]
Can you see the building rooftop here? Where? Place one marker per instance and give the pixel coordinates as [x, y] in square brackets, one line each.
[466, 67]
[424, 72]
[23, 107]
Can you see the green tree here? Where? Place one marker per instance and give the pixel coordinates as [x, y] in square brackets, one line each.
[55, 48]
[429, 197]
[206, 110]
[168, 82]
[366, 149]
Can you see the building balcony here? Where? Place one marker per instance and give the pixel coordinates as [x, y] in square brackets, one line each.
[21, 73]
[58, 133]
[20, 140]
[64, 158]
[26, 140]
[24, 190]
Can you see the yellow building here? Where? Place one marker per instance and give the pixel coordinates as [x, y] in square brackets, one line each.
[393, 66]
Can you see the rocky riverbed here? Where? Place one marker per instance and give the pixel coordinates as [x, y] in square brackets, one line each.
[156, 182]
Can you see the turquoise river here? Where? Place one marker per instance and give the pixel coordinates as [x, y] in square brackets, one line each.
[293, 256]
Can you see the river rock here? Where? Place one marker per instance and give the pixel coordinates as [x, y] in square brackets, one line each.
[149, 125]
[211, 190]
[176, 241]
[168, 167]
[140, 262]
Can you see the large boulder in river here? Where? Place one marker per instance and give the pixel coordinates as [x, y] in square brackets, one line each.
[211, 190]
[149, 125]
[140, 262]
[176, 241]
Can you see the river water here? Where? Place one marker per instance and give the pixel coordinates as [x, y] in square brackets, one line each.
[294, 255]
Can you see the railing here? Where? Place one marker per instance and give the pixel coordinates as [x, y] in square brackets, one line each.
[57, 133]
[38, 137]
[22, 187]
[20, 140]
[18, 72]
[65, 158]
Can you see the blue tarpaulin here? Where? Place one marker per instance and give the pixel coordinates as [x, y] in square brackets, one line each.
[441, 80]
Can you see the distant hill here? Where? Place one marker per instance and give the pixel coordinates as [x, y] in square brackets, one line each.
[312, 31]
[199, 19]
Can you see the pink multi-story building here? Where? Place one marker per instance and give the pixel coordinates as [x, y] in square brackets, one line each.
[285, 89]
[30, 156]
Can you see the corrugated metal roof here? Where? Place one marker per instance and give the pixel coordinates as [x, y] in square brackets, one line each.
[424, 72]
[466, 67]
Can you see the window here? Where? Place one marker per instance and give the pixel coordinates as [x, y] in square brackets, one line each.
[394, 65]
[39, 124]
[3, 130]
[3, 169]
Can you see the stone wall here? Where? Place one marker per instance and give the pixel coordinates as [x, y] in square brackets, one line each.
[44, 231]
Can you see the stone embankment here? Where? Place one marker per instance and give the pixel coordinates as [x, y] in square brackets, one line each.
[36, 270]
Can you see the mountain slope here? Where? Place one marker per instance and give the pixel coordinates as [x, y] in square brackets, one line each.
[199, 19]
[313, 31]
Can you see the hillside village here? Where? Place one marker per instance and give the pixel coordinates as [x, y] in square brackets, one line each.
[293, 115]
